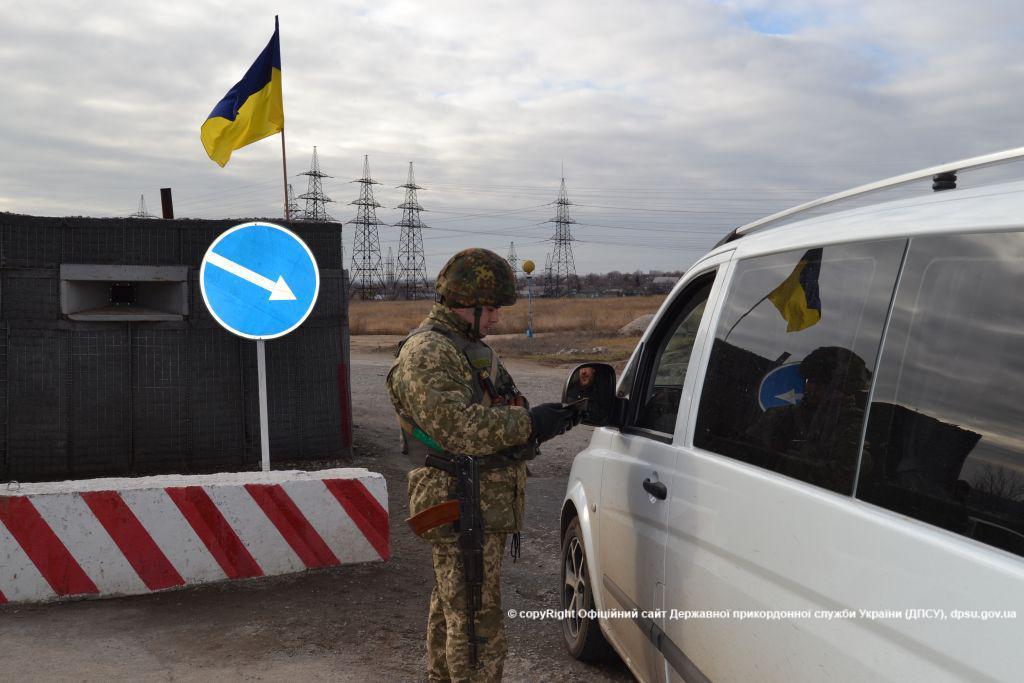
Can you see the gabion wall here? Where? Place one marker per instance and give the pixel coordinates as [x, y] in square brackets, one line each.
[83, 399]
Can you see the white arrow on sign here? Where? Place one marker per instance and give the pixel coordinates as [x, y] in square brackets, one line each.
[279, 291]
[790, 397]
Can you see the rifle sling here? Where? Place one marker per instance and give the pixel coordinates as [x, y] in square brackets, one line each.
[446, 463]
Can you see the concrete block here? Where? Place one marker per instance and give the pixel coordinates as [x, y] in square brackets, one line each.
[126, 536]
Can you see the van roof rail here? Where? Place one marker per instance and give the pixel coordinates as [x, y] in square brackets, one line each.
[944, 177]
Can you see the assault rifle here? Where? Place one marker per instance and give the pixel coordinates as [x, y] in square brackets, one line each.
[464, 512]
[471, 543]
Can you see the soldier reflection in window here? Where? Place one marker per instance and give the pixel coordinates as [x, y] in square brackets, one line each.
[816, 440]
[589, 384]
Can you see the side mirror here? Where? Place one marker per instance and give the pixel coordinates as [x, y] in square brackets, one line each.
[594, 382]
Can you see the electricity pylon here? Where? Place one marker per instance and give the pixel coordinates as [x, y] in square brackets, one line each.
[367, 276]
[316, 200]
[412, 266]
[562, 280]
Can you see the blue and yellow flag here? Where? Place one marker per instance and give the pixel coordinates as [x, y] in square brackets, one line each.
[252, 109]
[797, 298]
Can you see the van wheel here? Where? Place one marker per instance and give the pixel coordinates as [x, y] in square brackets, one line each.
[583, 637]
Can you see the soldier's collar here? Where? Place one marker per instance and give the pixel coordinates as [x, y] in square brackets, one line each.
[449, 318]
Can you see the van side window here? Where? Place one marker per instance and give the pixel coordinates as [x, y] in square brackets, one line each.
[791, 363]
[947, 416]
[665, 371]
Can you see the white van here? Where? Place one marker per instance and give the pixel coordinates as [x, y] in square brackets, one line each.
[812, 467]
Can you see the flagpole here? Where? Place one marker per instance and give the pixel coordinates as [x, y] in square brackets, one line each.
[284, 157]
[284, 165]
[749, 311]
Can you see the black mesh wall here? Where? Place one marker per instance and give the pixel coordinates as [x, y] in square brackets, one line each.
[301, 364]
[160, 387]
[220, 435]
[38, 400]
[30, 294]
[83, 399]
[100, 413]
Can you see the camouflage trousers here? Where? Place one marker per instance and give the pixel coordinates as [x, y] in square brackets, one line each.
[447, 641]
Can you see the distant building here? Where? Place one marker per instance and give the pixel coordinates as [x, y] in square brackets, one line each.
[662, 284]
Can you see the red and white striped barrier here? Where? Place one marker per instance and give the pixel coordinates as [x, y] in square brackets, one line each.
[104, 537]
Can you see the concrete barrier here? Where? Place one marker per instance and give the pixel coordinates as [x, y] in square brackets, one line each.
[106, 537]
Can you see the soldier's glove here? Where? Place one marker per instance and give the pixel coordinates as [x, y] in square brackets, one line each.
[549, 420]
[577, 416]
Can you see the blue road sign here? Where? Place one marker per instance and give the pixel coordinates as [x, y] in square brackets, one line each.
[783, 386]
[259, 280]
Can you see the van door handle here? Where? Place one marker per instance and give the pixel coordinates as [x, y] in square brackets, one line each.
[656, 489]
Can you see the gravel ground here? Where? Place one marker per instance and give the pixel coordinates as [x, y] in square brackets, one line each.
[353, 623]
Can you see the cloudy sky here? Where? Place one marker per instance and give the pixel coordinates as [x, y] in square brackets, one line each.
[673, 121]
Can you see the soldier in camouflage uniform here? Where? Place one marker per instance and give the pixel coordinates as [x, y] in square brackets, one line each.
[453, 396]
[818, 439]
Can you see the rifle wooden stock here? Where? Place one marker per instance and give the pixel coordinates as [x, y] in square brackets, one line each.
[445, 513]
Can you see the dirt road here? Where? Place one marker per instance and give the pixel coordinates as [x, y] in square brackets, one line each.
[355, 623]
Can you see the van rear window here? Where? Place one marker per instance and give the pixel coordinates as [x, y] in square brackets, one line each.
[946, 426]
[791, 363]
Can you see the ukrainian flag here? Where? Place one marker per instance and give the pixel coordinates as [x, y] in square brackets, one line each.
[797, 298]
[252, 109]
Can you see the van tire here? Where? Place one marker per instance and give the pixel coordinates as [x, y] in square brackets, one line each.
[583, 637]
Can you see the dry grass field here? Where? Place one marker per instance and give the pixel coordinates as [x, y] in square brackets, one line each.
[567, 330]
[592, 316]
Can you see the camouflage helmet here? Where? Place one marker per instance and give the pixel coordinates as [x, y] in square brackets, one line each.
[476, 277]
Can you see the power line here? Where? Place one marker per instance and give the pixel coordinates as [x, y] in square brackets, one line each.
[456, 231]
[637, 208]
[648, 229]
[498, 212]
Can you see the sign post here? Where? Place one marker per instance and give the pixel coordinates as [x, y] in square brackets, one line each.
[528, 269]
[259, 281]
[261, 374]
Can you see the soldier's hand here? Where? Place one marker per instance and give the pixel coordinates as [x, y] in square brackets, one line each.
[549, 420]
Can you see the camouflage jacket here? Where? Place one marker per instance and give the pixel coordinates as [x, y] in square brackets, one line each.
[819, 443]
[432, 385]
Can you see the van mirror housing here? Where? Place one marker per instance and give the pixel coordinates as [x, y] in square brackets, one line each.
[594, 383]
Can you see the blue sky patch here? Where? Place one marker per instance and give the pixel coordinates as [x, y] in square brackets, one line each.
[774, 22]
